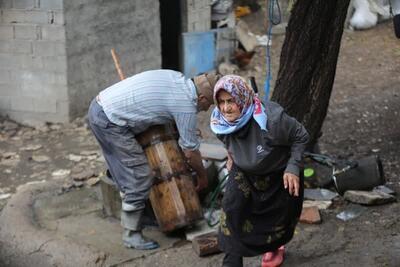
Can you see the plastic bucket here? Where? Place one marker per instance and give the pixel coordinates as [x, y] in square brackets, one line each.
[366, 175]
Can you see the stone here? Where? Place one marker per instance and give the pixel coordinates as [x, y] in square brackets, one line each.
[93, 181]
[40, 158]
[384, 189]
[320, 204]
[31, 147]
[248, 40]
[227, 68]
[5, 196]
[319, 194]
[368, 197]
[61, 173]
[310, 215]
[75, 158]
[84, 175]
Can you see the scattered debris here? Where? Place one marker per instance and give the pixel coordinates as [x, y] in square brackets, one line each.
[320, 204]
[5, 196]
[78, 184]
[40, 158]
[61, 173]
[226, 68]
[248, 41]
[31, 147]
[352, 211]
[368, 197]
[384, 189]
[310, 215]
[9, 159]
[89, 152]
[92, 181]
[199, 229]
[319, 194]
[75, 158]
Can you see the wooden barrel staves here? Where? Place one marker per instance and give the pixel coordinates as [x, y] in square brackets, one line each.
[173, 197]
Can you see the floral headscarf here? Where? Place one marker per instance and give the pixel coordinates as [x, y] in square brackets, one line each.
[248, 102]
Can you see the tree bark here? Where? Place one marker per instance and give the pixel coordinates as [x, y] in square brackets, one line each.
[308, 61]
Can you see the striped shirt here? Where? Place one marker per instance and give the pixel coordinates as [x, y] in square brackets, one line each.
[153, 98]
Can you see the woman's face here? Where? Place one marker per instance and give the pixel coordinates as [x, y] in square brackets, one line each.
[227, 106]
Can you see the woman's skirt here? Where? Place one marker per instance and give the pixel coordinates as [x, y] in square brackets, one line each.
[258, 213]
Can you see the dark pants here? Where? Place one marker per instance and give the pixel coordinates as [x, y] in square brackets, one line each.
[231, 260]
[124, 157]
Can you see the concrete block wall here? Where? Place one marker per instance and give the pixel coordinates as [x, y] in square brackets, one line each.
[196, 15]
[55, 55]
[131, 27]
[33, 84]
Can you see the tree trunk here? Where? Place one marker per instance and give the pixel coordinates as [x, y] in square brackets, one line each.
[308, 61]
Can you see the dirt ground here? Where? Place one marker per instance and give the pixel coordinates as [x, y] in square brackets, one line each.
[363, 119]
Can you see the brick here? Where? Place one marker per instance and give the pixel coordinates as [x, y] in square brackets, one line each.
[49, 48]
[6, 32]
[53, 32]
[51, 4]
[24, 4]
[310, 215]
[16, 47]
[25, 16]
[26, 32]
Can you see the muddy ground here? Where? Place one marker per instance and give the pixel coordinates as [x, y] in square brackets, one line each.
[363, 120]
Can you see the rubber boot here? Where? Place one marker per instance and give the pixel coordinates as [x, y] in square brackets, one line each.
[132, 236]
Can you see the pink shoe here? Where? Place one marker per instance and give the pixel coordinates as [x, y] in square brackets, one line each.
[273, 259]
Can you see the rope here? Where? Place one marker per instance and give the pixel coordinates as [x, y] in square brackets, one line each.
[271, 22]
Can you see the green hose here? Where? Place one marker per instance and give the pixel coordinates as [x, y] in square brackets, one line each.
[214, 196]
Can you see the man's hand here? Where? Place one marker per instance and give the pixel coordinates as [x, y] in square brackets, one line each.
[202, 183]
[291, 182]
[195, 161]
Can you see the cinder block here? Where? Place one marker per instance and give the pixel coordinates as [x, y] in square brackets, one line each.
[5, 77]
[10, 89]
[26, 32]
[49, 48]
[58, 18]
[6, 32]
[20, 61]
[5, 102]
[55, 63]
[51, 4]
[15, 46]
[45, 104]
[24, 4]
[5, 4]
[22, 103]
[53, 32]
[25, 16]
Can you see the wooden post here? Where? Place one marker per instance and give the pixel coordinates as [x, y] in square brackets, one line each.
[117, 65]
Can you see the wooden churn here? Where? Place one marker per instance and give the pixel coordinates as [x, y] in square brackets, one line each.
[173, 197]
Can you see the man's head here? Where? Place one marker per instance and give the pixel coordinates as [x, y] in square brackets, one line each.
[205, 88]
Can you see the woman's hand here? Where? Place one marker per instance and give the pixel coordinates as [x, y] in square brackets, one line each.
[229, 162]
[291, 182]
